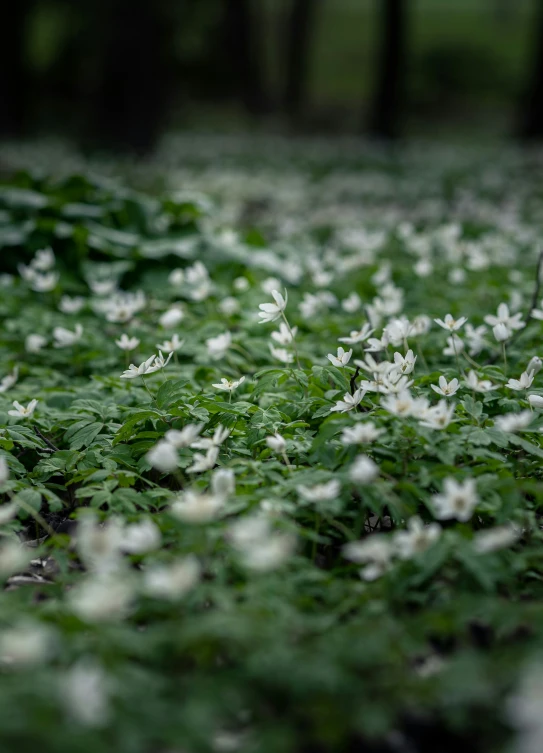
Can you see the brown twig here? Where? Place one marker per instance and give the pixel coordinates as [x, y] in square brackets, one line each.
[47, 441]
[353, 380]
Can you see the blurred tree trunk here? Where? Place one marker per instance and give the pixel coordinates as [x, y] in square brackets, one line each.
[13, 72]
[243, 48]
[385, 118]
[299, 33]
[132, 93]
[531, 125]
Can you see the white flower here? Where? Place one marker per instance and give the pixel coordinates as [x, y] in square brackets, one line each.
[14, 557]
[43, 260]
[361, 433]
[320, 492]
[363, 470]
[417, 538]
[102, 598]
[503, 317]
[219, 436]
[447, 389]
[535, 365]
[451, 323]
[524, 383]
[281, 354]
[34, 343]
[65, 337]
[269, 312]
[223, 483]
[4, 470]
[71, 305]
[171, 318]
[401, 404]
[438, 416]
[405, 364]
[102, 287]
[228, 385]
[9, 511]
[192, 507]
[493, 539]
[421, 324]
[163, 456]
[352, 303]
[285, 335]
[25, 643]
[349, 401]
[276, 443]
[183, 437]
[458, 500]
[229, 306]
[218, 346]
[398, 330]
[172, 581]
[536, 401]
[259, 547]
[475, 338]
[44, 283]
[9, 380]
[22, 412]
[455, 345]
[375, 344]
[141, 537]
[133, 372]
[525, 709]
[357, 336]
[241, 284]
[205, 462]
[127, 343]
[501, 332]
[342, 359]
[84, 691]
[393, 383]
[513, 422]
[176, 277]
[172, 345]
[270, 284]
[159, 363]
[478, 385]
[376, 550]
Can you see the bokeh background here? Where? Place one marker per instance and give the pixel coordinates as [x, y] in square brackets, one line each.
[117, 74]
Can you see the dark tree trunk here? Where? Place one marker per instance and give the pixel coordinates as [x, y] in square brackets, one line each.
[385, 120]
[298, 40]
[14, 79]
[531, 125]
[243, 45]
[132, 93]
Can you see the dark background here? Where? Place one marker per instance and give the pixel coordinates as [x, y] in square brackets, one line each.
[116, 74]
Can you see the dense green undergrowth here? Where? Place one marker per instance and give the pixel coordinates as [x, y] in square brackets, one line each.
[250, 539]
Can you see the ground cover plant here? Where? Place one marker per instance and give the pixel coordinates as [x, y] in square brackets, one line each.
[270, 451]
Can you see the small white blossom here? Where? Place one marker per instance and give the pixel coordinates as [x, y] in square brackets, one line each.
[133, 372]
[281, 354]
[438, 416]
[219, 436]
[22, 412]
[285, 334]
[276, 443]
[417, 539]
[361, 433]
[501, 332]
[458, 500]
[363, 470]
[342, 358]
[64, 337]
[478, 385]
[524, 383]
[376, 551]
[513, 422]
[357, 336]
[9, 380]
[171, 318]
[218, 346]
[320, 492]
[228, 385]
[447, 389]
[71, 305]
[163, 456]
[172, 345]
[34, 343]
[493, 539]
[205, 462]
[349, 401]
[172, 581]
[184, 437]
[450, 323]
[503, 316]
[269, 312]
[127, 343]
[536, 401]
